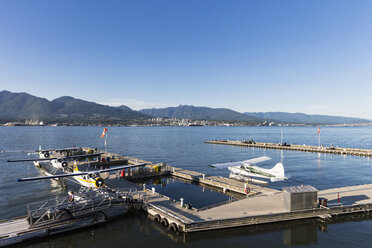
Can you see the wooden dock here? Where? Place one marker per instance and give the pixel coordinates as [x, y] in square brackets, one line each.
[291, 147]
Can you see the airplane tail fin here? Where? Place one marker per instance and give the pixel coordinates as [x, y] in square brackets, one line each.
[76, 168]
[278, 171]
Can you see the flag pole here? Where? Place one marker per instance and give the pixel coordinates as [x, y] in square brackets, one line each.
[319, 137]
[281, 137]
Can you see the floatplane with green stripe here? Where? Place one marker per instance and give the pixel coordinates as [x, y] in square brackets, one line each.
[247, 169]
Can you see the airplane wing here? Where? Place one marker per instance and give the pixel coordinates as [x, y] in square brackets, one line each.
[67, 157]
[117, 168]
[26, 160]
[256, 160]
[58, 150]
[240, 163]
[225, 165]
[78, 174]
[83, 155]
[51, 177]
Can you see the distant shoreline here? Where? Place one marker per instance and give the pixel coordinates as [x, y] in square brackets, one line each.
[103, 125]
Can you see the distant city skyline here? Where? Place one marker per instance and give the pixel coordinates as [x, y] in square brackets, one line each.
[312, 57]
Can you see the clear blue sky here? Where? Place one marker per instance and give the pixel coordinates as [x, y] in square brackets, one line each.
[295, 56]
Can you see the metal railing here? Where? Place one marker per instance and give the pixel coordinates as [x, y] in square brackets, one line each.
[86, 201]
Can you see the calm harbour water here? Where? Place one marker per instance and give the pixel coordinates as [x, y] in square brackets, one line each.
[184, 147]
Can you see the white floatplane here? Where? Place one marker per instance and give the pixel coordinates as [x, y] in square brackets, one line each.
[89, 179]
[246, 169]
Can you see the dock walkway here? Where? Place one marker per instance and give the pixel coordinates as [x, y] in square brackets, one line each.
[222, 183]
[303, 148]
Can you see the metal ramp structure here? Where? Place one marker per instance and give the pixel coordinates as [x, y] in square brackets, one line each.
[89, 207]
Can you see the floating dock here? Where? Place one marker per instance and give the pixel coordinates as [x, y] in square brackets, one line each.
[260, 206]
[291, 147]
[61, 215]
[254, 205]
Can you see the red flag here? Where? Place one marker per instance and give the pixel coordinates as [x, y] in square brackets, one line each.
[318, 130]
[103, 133]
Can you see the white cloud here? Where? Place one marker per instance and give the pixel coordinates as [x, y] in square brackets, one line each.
[133, 104]
[318, 107]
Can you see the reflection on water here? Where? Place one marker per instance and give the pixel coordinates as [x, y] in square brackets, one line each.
[300, 235]
[137, 230]
[195, 194]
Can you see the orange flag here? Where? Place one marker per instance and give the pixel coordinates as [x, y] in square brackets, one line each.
[103, 133]
[318, 130]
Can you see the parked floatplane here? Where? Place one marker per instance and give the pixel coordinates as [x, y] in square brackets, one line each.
[59, 162]
[89, 179]
[48, 153]
[245, 170]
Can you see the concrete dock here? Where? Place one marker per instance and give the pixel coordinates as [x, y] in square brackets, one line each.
[260, 209]
[291, 147]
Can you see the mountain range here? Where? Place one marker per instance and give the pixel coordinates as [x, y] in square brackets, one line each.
[204, 113]
[200, 113]
[306, 119]
[69, 110]
[66, 109]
